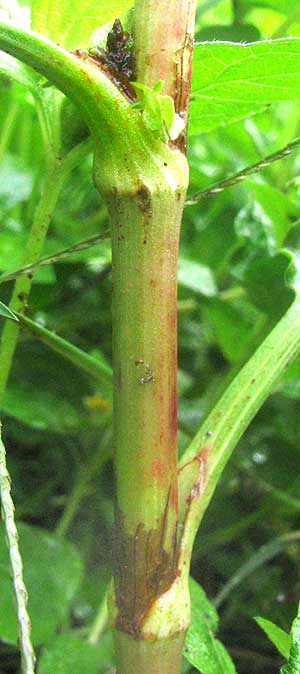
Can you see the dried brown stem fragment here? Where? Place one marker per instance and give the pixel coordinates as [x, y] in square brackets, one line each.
[119, 79]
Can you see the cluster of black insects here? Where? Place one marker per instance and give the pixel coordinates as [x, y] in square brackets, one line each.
[118, 55]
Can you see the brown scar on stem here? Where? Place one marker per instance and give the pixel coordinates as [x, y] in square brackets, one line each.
[144, 199]
[194, 492]
[143, 569]
[182, 79]
[198, 486]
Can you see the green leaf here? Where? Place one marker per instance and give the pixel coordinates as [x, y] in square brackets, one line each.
[167, 111]
[202, 650]
[149, 101]
[266, 221]
[53, 404]
[269, 253]
[158, 111]
[292, 252]
[7, 313]
[273, 271]
[229, 33]
[293, 664]
[197, 277]
[273, 208]
[232, 81]
[40, 411]
[52, 572]
[231, 328]
[71, 23]
[98, 367]
[281, 275]
[282, 6]
[279, 637]
[69, 654]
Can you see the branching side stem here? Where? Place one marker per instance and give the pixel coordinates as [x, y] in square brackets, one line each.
[218, 436]
[52, 186]
[85, 244]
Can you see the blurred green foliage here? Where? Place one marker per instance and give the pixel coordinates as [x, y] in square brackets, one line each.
[57, 419]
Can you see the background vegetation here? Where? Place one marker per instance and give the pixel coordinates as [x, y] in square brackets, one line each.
[57, 419]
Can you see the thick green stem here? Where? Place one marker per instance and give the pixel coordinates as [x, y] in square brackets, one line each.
[150, 657]
[145, 231]
[145, 245]
[150, 594]
[146, 210]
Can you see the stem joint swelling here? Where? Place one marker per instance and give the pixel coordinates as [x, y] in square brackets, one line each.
[161, 634]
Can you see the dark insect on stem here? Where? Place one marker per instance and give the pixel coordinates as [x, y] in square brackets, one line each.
[118, 55]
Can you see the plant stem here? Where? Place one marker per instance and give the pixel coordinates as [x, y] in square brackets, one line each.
[164, 38]
[100, 622]
[96, 368]
[150, 657]
[258, 559]
[27, 652]
[151, 599]
[240, 176]
[145, 209]
[81, 488]
[51, 189]
[53, 183]
[163, 41]
[211, 448]
[84, 244]
[7, 128]
[145, 231]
